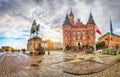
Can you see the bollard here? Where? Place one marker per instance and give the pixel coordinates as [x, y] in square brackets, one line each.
[48, 52]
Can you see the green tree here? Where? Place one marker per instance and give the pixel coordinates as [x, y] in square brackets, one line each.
[67, 47]
[100, 45]
[23, 50]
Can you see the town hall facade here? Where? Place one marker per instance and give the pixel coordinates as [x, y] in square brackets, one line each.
[76, 34]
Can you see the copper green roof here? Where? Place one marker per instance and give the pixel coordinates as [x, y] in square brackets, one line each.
[67, 21]
[90, 18]
[109, 33]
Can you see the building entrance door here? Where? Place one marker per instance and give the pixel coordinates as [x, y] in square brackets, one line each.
[78, 45]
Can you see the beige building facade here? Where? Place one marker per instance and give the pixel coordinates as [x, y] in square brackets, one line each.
[110, 40]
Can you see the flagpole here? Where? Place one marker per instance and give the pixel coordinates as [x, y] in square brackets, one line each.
[95, 40]
[110, 40]
[111, 32]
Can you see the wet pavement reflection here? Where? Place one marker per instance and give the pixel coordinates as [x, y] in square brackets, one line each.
[46, 66]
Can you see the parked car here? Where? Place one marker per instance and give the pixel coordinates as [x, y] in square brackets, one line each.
[100, 50]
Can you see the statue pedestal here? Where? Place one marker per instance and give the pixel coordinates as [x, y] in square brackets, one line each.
[33, 43]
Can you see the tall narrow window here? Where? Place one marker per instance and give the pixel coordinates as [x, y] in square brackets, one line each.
[74, 32]
[78, 32]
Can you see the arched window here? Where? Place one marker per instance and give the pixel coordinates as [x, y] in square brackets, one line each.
[66, 32]
[87, 37]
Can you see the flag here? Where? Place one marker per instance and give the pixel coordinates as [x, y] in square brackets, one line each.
[98, 30]
[111, 29]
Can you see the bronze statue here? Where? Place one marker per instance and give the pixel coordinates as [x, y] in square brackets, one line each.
[34, 29]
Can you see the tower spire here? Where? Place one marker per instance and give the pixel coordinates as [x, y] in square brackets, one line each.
[71, 13]
[91, 18]
[67, 21]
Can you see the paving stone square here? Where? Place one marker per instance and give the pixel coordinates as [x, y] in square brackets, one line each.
[19, 65]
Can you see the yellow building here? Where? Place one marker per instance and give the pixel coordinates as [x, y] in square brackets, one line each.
[110, 40]
[57, 45]
[48, 44]
[44, 44]
[7, 48]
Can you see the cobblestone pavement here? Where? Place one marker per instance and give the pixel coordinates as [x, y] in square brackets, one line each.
[19, 65]
[89, 64]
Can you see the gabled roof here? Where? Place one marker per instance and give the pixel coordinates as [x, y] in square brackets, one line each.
[109, 33]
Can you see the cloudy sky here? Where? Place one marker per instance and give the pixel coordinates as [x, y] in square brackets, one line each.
[16, 17]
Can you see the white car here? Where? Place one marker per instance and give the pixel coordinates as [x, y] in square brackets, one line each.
[100, 51]
[27, 52]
